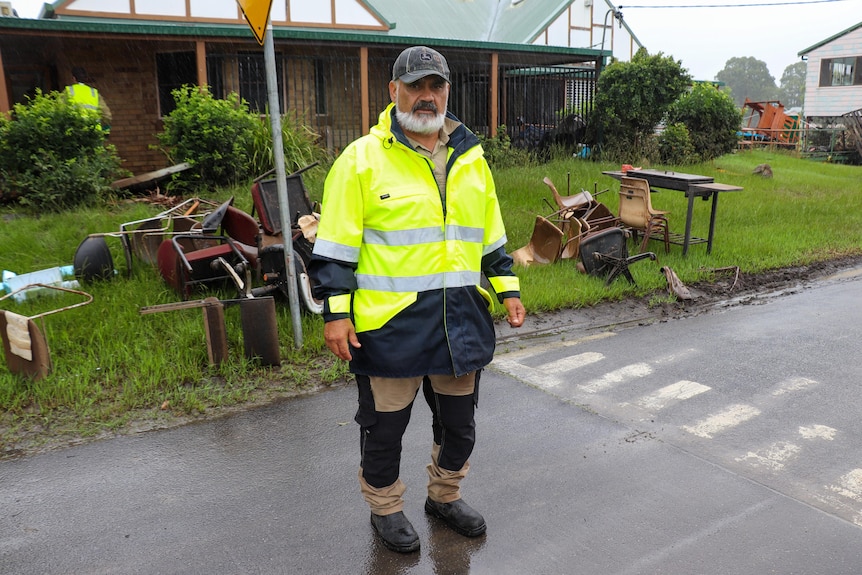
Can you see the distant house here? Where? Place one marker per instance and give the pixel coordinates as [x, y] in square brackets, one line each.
[833, 83]
[514, 62]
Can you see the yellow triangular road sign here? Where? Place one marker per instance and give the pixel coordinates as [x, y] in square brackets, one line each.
[256, 12]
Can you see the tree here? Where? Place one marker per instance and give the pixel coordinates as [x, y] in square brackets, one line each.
[748, 78]
[632, 98]
[793, 84]
[712, 120]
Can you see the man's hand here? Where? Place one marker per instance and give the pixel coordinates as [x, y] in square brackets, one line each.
[338, 334]
[516, 311]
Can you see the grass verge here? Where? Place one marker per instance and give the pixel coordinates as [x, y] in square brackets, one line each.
[116, 370]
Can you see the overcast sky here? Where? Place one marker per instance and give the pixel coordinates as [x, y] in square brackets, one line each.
[773, 31]
[705, 38]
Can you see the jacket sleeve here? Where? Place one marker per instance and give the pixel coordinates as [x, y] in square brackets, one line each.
[332, 280]
[496, 263]
[339, 237]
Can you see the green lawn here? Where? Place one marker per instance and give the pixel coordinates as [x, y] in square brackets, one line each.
[114, 367]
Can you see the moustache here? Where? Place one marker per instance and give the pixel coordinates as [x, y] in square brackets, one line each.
[425, 106]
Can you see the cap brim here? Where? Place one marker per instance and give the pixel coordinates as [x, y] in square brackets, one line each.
[411, 77]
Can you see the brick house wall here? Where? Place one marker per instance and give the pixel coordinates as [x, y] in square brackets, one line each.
[124, 72]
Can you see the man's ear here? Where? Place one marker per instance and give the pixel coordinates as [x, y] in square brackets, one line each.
[392, 88]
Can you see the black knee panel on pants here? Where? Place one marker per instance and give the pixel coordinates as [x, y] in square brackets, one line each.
[380, 438]
[454, 426]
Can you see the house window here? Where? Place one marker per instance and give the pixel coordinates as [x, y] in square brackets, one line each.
[174, 69]
[252, 80]
[320, 73]
[840, 72]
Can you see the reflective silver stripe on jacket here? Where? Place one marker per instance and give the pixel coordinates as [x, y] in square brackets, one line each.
[422, 236]
[336, 251]
[418, 283]
[495, 246]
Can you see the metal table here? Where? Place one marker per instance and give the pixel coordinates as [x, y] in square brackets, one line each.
[694, 186]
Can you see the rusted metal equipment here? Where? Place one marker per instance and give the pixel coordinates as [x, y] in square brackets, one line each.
[303, 224]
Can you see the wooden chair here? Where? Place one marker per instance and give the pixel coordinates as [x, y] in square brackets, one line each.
[637, 213]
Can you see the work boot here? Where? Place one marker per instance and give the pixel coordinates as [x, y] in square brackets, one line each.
[396, 532]
[457, 515]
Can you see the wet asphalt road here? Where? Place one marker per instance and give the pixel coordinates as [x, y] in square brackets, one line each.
[576, 472]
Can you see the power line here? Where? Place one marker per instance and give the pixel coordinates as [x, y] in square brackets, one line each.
[759, 4]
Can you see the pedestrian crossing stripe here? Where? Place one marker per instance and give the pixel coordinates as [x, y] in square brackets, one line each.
[674, 392]
[719, 422]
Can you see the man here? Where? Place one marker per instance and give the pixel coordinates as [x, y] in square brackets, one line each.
[89, 98]
[409, 222]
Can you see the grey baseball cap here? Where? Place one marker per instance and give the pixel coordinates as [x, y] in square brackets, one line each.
[417, 62]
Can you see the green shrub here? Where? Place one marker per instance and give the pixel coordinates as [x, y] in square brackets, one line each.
[674, 145]
[500, 153]
[214, 136]
[631, 99]
[298, 140]
[712, 119]
[53, 156]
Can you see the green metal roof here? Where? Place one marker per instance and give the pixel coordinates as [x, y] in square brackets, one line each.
[517, 22]
[120, 26]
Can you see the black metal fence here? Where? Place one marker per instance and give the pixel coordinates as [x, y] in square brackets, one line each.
[323, 88]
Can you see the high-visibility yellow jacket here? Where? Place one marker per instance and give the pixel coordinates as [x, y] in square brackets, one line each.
[405, 267]
[90, 99]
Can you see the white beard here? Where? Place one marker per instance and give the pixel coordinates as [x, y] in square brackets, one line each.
[423, 124]
[420, 123]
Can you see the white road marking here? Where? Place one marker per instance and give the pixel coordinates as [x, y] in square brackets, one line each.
[546, 376]
[773, 457]
[730, 417]
[678, 391]
[818, 432]
[793, 384]
[528, 375]
[850, 485]
[846, 495]
[572, 362]
[617, 376]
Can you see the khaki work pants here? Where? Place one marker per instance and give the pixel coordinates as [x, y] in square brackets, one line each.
[392, 395]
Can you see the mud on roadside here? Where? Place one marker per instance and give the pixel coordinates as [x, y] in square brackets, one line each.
[729, 287]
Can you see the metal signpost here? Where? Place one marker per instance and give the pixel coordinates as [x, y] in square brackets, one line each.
[256, 12]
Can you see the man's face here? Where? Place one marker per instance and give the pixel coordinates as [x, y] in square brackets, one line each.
[421, 106]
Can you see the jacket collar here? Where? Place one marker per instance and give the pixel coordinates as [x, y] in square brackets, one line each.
[461, 139]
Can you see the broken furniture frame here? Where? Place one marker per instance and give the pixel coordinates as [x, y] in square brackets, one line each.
[258, 320]
[271, 242]
[207, 256]
[93, 260]
[24, 344]
[604, 254]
